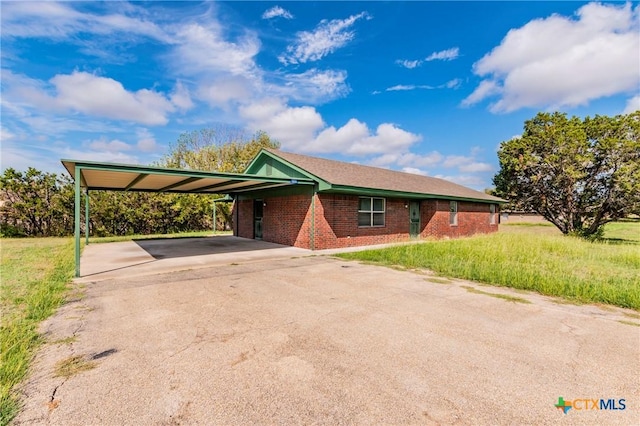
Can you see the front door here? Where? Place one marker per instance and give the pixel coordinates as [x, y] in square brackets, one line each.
[258, 209]
[414, 219]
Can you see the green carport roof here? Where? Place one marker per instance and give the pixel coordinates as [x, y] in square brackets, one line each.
[126, 177]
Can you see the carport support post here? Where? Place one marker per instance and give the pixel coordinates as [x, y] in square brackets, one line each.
[76, 217]
[214, 215]
[86, 218]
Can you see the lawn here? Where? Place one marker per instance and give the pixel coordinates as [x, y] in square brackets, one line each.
[35, 277]
[533, 257]
[34, 281]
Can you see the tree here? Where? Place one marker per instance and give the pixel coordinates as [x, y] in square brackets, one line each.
[578, 174]
[33, 203]
[221, 149]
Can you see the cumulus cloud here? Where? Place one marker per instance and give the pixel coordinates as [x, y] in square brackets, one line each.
[325, 39]
[444, 55]
[633, 104]
[88, 94]
[303, 129]
[113, 145]
[563, 61]
[203, 49]
[275, 12]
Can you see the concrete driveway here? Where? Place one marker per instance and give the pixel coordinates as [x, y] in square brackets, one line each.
[291, 338]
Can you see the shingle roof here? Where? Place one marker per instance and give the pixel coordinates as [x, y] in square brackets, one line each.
[356, 175]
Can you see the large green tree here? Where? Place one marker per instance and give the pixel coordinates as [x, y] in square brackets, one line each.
[578, 174]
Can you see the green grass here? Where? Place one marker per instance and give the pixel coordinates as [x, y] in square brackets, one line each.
[627, 231]
[34, 281]
[35, 277]
[524, 257]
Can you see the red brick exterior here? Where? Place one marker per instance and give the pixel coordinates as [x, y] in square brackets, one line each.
[287, 220]
[473, 218]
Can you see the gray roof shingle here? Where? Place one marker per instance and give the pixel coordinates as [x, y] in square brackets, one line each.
[349, 174]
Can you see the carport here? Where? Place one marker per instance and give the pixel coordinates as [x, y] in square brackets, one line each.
[94, 176]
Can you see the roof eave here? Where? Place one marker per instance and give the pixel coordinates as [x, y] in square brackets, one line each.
[346, 189]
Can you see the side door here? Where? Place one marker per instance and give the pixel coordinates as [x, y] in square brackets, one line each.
[414, 219]
[258, 211]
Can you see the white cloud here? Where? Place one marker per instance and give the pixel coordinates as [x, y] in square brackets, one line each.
[5, 134]
[104, 97]
[181, 97]
[444, 55]
[451, 84]
[202, 49]
[292, 126]
[146, 141]
[303, 129]
[409, 64]
[113, 145]
[326, 38]
[405, 87]
[563, 61]
[84, 93]
[277, 11]
[476, 182]
[476, 167]
[414, 171]
[633, 104]
[59, 21]
[313, 86]
[485, 89]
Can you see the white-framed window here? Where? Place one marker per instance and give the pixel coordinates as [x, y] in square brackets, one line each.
[492, 214]
[371, 211]
[453, 213]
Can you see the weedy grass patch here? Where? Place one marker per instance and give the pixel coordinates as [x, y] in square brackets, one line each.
[35, 277]
[521, 257]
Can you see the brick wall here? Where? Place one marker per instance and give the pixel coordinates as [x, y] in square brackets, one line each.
[337, 223]
[287, 221]
[243, 218]
[473, 218]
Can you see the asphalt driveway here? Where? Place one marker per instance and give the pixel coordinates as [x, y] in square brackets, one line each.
[290, 339]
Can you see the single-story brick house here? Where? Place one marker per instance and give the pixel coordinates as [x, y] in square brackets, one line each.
[355, 205]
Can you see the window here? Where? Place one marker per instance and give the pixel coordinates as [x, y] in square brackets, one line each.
[453, 213]
[492, 214]
[371, 211]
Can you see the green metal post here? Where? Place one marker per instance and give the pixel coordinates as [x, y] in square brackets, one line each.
[214, 215]
[86, 217]
[76, 218]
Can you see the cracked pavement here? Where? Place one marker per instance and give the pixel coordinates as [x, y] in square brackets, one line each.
[317, 340]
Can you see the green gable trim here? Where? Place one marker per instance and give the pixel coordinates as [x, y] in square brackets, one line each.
[258, 167]
[353, 190]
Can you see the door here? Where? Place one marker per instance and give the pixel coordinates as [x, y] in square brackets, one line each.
[258, 209]
[414, 219]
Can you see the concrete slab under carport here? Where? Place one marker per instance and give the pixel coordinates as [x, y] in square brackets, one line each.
[102, 261]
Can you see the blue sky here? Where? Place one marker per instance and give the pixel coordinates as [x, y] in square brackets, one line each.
[425, 87]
